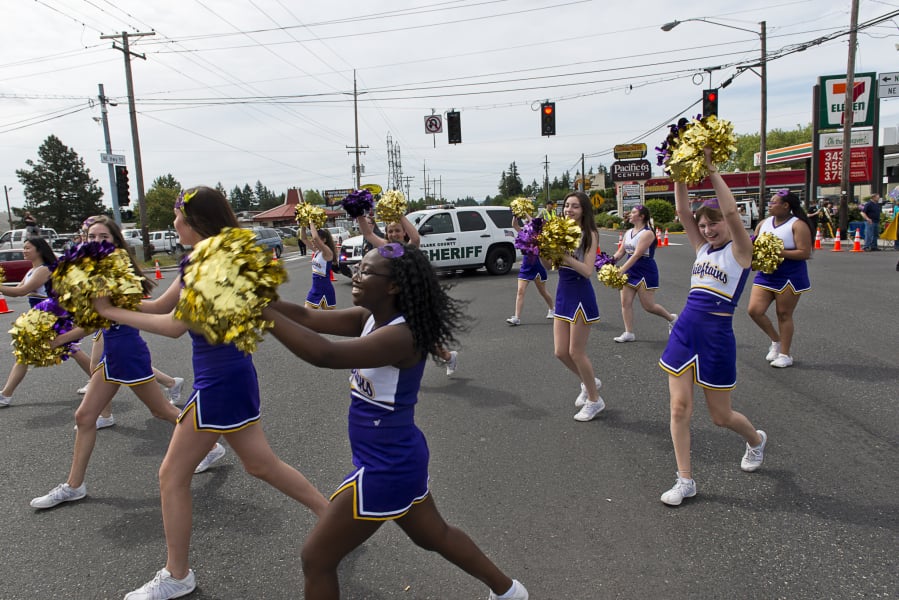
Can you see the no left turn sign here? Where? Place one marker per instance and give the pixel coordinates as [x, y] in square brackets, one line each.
[433, 124]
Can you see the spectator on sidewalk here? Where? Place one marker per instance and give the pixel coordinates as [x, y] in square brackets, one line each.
[871, 213]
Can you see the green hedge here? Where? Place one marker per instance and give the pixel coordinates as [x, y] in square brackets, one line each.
[608, 221]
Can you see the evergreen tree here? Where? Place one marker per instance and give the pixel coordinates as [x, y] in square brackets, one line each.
[313, 197]
[250, 197]
[160, 199]
[239, 202]
[510, 183]
[58, 189]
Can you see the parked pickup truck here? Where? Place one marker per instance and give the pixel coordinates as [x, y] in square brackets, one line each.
[165, 241]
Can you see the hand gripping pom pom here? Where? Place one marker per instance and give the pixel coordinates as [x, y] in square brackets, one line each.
[681, 154]
[308, 213]
[33, 331]
[522, 207]
[358, 203]
[93, 270]
[391, 207]
[611, 276]
[559, 236]
[766, 253]
[228, 281]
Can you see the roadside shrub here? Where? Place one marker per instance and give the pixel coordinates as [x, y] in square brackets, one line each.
[672, 226]
[662, 211]
[607, 221]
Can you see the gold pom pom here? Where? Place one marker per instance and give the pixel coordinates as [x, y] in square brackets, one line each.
[31, 334]
[78, 282]
[766, 253]
[559, 236]
[227, 282]
[687, 161]
[309, 213]
[391, 207]
[611, 276]
[522, 207]
[2, 274]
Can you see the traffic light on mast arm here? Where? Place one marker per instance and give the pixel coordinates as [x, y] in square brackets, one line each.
[121, 184]
[548, 118]
[454, 127]
[710, 102]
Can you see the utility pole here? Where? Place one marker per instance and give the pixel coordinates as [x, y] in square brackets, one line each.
[356, 149]
[112, 183]
[546, 178]
[408, 181]
[135, 138]
[8, 210]
[424, 175]
[848, 115]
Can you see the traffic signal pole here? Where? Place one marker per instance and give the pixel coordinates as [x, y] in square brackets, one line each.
[114, 192]
[135, 138]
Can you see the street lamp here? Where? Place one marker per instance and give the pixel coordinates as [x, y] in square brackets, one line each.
[763, 75]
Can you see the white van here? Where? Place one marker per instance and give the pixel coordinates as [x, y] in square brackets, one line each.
[17, 237]
[165, 241]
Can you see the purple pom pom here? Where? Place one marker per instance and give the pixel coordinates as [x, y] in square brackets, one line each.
[526, 240]
[358, 203]
[603, 259]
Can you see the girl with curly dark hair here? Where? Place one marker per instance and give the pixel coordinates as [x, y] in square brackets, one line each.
[402, 314]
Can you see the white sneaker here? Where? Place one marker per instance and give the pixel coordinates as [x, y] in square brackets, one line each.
[671, 323]
[582, 397]
[58, 495]
[550, 314]
[83, 389]
[175, 390]
[773, 351]
[452, 363]
[5, 400]
[102, 422]
[163, 587]
[782, 360]
[516, 592]
[683, 488]
[214, 455]
[513, 321]
[590, 410]
[754, 455]
[627, 336]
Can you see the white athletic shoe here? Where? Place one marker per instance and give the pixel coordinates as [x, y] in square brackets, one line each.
[214, 455]
[175, 391]
[773, 351]
[590, 410]
[582, 397]
[164, 587]
[627, 336]
[683, 488]
[516, 592]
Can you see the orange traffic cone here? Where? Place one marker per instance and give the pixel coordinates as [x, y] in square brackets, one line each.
[331, 271]
[857, 242]
[620, 240]
[274, 255]
[665, 239]
[836, 243]
[158, 271]
[658, 237]
[818, 239]
[3, 307]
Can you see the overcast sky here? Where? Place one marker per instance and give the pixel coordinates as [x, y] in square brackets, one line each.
[236, 91]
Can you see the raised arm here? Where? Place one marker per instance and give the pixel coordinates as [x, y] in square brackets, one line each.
[685, 215]
[369, 233]
[327, 254]
[411, 231]
[728, 206]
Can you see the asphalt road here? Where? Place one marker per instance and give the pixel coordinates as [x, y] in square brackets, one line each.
[571, 509]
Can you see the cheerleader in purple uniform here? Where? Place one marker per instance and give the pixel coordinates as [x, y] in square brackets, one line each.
[224, 402]
[34, 285]
[125, 361]
[531, 269]
[701, 348]
[321, 295]
[576, 309]
[783, 287]
[402, 314]
[642, 272]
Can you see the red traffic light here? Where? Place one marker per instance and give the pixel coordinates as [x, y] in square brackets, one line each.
[548, 108]
[712, 96]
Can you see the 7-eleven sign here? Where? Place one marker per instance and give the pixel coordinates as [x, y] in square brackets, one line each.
[834, 96]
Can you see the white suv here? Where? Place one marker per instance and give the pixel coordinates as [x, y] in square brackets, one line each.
[456, 238]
